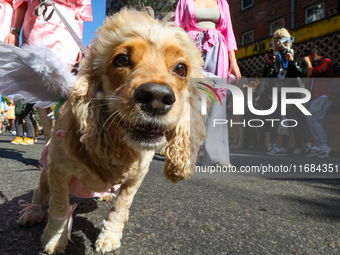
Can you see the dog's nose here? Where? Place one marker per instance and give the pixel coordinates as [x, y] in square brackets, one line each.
[155, 98]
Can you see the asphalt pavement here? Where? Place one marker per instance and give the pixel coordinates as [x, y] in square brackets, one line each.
[230, 212]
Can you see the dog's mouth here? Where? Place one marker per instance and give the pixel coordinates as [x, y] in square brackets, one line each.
[146, 135]
[143, 130]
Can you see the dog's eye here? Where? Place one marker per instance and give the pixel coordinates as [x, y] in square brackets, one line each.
[121, 60]
[181, 70]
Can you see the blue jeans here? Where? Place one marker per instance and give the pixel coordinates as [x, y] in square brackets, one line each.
[318, 108]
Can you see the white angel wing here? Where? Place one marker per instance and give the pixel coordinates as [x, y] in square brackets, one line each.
[33, 73]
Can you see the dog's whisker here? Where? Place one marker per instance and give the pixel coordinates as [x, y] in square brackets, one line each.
[134, 116]
[118, 121]
[112, 115]
[106, 104]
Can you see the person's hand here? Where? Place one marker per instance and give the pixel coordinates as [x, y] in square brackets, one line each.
[79, 57]
[12, 38]
[309, 66]
[235, 70]
[233, 67]
[270, 61]
[306, 59]
[289, 56]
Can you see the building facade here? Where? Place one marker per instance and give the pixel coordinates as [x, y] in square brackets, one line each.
[313, 23]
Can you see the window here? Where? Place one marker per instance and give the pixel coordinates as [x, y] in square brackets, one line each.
[247, 37]
[246, 4]
[315, 12]
[276, 24]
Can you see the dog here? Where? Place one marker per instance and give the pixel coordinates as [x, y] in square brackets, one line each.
[133, 95]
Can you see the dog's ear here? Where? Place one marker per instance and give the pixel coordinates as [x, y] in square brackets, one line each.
[86, 124]
[86, 106]
[185, 140]
[89, 137]
[177, 149]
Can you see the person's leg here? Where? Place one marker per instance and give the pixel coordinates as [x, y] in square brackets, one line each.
[29, 125]
[11, 123]
[274, 126]
[318, 109]
[236, 133]
[2, 120]
[46, 122]
[216, 146]
[27, 116]
[18, 123]
[242, 135]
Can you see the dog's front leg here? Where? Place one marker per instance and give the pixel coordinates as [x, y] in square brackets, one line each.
[112, 231]
[54, 238]
[34, 213]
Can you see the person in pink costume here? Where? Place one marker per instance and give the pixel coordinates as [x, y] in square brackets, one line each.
[209, 24]
[12, 14]
[185, 18]
[53, 34]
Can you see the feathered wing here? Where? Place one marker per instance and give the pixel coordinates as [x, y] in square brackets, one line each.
[33, 73]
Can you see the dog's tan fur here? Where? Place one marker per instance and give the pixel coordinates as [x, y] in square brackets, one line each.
[96, 148]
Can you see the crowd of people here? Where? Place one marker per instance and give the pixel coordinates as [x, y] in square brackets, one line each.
[209, 24]
[283, 68]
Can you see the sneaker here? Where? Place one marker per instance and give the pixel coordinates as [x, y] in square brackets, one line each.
[327, 150]
[313, 151]
[17, 140]
[223, 163]
[270, 147]
[275, 151]
[27, 141]
[326, 155]
[297, 151]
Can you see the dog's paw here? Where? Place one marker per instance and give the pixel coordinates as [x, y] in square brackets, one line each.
[106, 198]
[54, 242]
[31, 216]
[108, 241]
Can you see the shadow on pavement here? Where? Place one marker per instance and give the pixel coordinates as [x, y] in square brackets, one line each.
[15, 154]
[27, 239]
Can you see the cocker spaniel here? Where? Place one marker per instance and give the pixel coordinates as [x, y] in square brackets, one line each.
[131, 97]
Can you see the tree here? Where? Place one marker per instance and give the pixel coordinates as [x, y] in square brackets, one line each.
[160, 7]
[5, 99]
